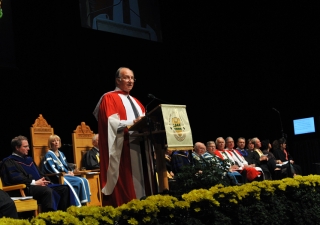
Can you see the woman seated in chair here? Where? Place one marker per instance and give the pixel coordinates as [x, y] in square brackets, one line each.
[55, 162]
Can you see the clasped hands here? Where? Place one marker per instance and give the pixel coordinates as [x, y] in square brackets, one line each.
[234, 168]
[263, 157]
[42, 182]
[70, 173]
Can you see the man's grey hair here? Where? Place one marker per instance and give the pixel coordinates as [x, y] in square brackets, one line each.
[210, 142]
[218, 139]
[228, 138]
[196, 145]
[117, 74]
[254, 140]
[94, 137]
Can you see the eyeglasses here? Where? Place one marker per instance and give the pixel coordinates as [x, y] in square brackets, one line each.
[128, 78]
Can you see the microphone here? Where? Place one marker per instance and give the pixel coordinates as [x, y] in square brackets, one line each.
[154, 97]
[151, 96]
[275, 110]
[67, 144]
[283, 134]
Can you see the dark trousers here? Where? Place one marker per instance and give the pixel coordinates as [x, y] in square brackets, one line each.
[45, 196]
[7, 206]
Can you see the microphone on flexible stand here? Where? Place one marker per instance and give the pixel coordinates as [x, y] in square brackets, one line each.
[154, 97]
[67, 145]
[276, 110]
[284, 136]
[148, 105]
[282, 133]
[151, 96]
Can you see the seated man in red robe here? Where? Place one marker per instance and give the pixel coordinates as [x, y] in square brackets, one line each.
[253, 172]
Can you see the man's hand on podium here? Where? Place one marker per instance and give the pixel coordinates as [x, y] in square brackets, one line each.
[137, 119]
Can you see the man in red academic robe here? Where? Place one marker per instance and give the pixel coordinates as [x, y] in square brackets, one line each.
[121, 170]
[253, 172]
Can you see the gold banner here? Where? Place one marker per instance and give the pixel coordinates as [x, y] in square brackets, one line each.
[177, 127]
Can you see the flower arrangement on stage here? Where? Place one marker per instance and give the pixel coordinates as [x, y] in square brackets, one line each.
[287, 201]
[79, 215]
[57, 217]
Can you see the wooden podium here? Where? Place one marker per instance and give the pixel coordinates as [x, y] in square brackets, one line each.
[165, 125]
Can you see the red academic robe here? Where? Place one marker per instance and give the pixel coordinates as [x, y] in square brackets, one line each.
[116, 174]
[252, 173]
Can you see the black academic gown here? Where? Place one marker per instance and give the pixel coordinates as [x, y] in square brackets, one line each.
[90, 160]
[22, 170]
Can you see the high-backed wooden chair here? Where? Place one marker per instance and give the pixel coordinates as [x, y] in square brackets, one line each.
[82, 142]
[22, 205]
[40, 132]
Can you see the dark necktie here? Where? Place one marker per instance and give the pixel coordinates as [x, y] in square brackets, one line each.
[135, 111]
[236, 154]
[226, 154]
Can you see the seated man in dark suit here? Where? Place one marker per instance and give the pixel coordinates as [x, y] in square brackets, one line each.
[241, 144]
[19, 168]
[261, 160]
[91, 159]
[180, 159]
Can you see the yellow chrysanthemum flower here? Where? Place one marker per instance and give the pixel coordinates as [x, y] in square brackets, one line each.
[146, 219]
[133, 221]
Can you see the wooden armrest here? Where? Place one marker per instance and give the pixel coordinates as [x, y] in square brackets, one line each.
[14, 187]
[86, 172]
[80, 173]
[55, 174]
[60, 176]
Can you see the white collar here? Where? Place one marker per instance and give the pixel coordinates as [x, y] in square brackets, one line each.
[13, 153]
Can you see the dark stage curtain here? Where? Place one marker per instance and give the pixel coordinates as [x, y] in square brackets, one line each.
[306, 153]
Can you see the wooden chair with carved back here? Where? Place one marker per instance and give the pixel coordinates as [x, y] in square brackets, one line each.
[82, 142]
[40, 133]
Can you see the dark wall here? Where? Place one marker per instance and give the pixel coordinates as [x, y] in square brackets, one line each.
[229, 64]
[7, 58]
